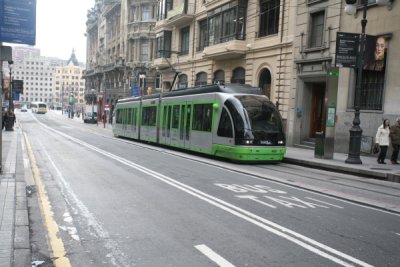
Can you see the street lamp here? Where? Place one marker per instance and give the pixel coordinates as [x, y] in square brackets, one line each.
[356, 131]
[10, 99]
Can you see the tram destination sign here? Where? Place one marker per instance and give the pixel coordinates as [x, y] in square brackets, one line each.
[347, 49]
[18, 21]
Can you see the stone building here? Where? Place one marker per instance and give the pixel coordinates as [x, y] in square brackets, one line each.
[316, 93]
[147, 43]
[69, 86]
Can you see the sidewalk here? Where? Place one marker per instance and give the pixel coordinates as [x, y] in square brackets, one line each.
[14, 223]
[369, 166]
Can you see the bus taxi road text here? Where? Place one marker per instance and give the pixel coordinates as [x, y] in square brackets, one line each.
[274, 198]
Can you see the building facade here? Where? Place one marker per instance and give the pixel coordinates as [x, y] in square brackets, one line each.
[322, 87]
[120, 41]
[171, 44]
[37, 75]
[69, 86]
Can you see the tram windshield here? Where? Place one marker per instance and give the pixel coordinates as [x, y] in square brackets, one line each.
[262, 115]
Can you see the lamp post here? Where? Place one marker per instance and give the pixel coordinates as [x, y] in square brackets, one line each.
[10, 99]
[92, 90]
[356, 131]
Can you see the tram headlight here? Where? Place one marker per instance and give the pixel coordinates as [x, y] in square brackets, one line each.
[248, 142]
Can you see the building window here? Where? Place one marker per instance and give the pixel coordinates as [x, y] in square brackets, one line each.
[132, 14]
[219, 77]
[371, 94]
[238, 75]
[144, 50]
[269, 17]
[158, 81]
[227, 23]
[185, 40]
[202, 35]
[201, 79]
[163, 40]
[317, 29]
[147, 13]
[183, 81]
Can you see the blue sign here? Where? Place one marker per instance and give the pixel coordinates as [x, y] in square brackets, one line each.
[18, 21]
[135, 90]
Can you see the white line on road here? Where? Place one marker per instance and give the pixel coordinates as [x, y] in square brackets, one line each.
[283, 232]
[214, 256]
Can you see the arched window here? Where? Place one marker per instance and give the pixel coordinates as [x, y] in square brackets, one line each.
[201, 79]
[183, 83]
[219, 77]
[238, 75]
[264, 82]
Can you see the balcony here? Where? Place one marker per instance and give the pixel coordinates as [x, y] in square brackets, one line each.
[161, 63]
[227, 50]
[182, 14]
[140, 29]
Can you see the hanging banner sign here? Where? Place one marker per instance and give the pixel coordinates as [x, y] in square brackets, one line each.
[347, 49]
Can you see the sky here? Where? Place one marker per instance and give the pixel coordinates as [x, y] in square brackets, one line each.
[60, 27]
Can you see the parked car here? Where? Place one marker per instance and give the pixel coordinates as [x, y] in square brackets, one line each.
[89, 118]
[24, 109]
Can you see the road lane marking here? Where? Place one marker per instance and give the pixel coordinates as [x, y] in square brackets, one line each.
[56, 243]
[220, 261]
[116, 256]
[320, 201]
[290, 235]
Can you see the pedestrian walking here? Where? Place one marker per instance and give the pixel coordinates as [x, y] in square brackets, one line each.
[395, 139]
[3, 122]
[382, 138]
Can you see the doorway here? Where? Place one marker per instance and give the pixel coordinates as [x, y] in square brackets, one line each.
[318, 107]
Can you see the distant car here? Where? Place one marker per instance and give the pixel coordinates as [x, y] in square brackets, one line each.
[89, 118]
[24, 109]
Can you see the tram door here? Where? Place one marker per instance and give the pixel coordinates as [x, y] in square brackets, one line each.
[166, 125]
[180, 125]
[187, 125]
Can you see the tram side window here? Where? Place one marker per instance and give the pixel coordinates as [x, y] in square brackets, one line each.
[129, 116]
[149, 116]
[119, 116]
[175, 117]
[202, 117]
[225, 128]
[133, 111]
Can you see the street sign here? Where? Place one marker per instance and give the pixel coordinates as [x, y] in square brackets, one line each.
[18, 21]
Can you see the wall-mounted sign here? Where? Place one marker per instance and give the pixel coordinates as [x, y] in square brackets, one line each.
[18, 21]
[331, 117]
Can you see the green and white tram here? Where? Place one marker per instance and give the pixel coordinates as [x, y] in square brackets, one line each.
[230, 121]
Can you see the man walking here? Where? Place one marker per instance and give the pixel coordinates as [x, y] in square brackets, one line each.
[395, 138]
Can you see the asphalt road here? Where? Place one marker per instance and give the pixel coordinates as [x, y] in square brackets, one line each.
[104, 201]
